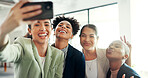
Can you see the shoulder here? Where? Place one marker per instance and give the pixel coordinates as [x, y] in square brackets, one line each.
[125, 69]
[56, 54]
[74, 50]
[55, 50]
[22, 40]
[101, 53]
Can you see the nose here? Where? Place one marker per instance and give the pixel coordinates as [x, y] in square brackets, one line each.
[111, 47]
[64, 26]
[87, 38]
[42, 28]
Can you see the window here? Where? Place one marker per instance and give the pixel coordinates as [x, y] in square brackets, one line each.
[106, 20]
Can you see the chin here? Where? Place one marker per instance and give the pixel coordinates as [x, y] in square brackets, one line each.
[87, 48]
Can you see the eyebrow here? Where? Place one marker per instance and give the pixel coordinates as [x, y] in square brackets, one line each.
[68, 24]
[91, 34]
[60, 23]
[46, 22]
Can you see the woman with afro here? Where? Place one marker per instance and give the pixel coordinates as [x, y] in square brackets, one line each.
[64, 30]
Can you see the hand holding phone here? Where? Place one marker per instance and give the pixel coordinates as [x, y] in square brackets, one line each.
[47, 10]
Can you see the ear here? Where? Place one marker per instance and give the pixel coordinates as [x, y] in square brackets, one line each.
[71, 36]
[97, 38]
[125, 56]
[29, 30]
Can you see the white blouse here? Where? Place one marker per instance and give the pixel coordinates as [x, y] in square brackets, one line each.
[91, 68]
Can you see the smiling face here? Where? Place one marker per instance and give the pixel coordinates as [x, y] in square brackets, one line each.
[40, 31]
[88, 39]
[116, 51]
[64, 30]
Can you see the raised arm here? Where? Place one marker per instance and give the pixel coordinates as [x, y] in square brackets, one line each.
[128, 61]
[15, 19]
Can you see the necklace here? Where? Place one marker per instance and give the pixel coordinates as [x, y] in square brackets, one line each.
[89, 65]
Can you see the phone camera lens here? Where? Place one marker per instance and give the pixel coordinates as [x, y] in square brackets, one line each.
[47, 7]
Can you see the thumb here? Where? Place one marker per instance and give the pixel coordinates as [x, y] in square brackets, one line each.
[123, 76]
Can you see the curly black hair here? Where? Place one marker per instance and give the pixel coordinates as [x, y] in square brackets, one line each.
[72, 21]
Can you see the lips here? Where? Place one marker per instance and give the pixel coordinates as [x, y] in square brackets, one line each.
[86, 44]
[62, 31]
[43, 35]
[109, 51]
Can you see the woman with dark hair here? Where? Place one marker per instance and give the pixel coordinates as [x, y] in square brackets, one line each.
[97, 64]
[64, 29]
[32, 58]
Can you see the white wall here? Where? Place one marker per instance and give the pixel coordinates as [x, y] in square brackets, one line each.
[62, 6]
[139, 36]
[125, 18]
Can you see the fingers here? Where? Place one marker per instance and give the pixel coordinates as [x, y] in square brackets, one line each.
[123, 76]
[128, 44]
[30, 8]
[29, 15]
[124, 39]
[20, 4]
[18, 13]
[121, 38]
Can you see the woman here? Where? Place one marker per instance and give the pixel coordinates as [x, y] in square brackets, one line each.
[32, 58]
[97, 64]
[117, 53]
[64, 29]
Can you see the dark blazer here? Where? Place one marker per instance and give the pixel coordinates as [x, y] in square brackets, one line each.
[124, 69]
[75, 64]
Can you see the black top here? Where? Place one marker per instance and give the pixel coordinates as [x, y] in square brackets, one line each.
[75, 63]
[124, 69]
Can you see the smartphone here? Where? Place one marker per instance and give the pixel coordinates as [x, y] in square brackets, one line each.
[47, 10]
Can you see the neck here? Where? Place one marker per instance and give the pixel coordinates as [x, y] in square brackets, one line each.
[61, 43]
[115, 65]
[90, 54]
[42, 49]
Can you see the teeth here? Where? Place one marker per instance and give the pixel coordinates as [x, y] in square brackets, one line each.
[63, 31]
[42, 34]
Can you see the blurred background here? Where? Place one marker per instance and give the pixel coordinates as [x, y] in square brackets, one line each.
[113, 18]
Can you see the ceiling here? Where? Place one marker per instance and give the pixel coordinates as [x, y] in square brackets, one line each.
[63, 6]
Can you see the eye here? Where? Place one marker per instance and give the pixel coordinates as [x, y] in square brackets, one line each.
[83, 35]
[37, 25]
[46, 24]
[67, 27]
[117, 46]
[60, 25]
[91, 36]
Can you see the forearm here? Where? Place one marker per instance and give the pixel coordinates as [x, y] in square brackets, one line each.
[3, 37]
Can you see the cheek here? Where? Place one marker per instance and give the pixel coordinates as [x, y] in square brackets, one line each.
[70, 31]
[81, 40]
[57, 29]
[93, 41]
[118, 53]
